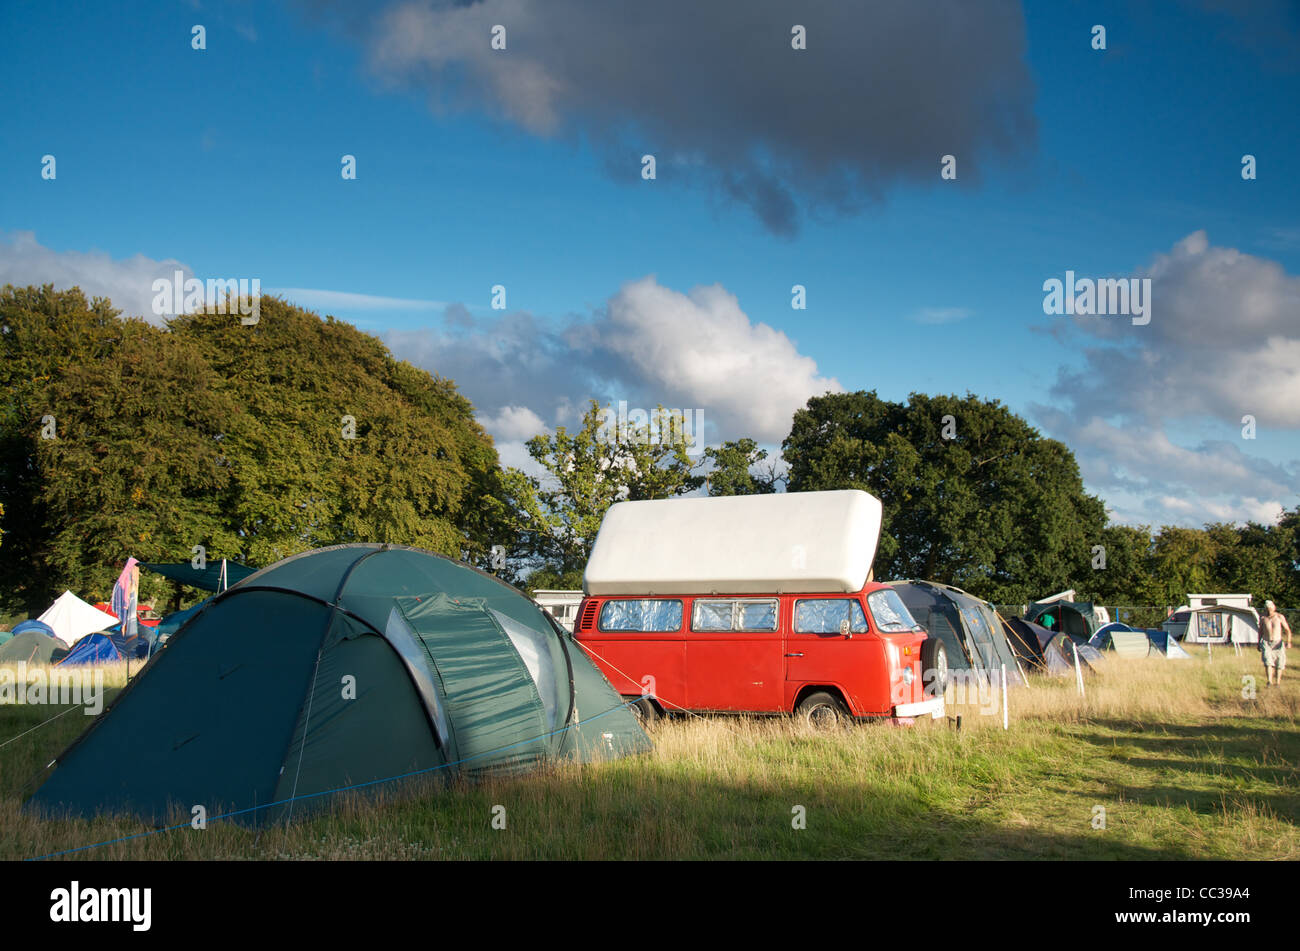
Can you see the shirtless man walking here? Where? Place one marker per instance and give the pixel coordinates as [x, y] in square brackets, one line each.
[1270, 643]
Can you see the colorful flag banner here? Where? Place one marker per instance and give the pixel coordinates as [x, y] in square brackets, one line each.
[126, 595]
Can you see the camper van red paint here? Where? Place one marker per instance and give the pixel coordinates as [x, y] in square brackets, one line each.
[757, 604]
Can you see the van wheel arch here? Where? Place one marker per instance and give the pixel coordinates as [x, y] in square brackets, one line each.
[814, 698]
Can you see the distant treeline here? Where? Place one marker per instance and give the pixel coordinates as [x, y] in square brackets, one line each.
[118, 437]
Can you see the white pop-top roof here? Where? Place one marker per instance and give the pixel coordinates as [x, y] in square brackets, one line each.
[1225, 600]
[72, 619]
[740, 544]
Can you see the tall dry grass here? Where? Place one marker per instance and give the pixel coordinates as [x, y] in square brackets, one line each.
[1183, 761]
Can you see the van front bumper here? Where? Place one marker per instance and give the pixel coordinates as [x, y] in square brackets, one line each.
[933, 707]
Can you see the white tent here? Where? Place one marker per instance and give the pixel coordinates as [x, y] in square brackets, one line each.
[1214, 624]
[72, 619]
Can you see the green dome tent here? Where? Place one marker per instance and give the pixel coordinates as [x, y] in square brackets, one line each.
[31, 646]
[338, 669]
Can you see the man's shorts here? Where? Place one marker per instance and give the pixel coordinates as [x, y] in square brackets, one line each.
[1274, 654]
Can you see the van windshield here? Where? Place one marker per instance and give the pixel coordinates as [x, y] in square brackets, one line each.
[891, 614]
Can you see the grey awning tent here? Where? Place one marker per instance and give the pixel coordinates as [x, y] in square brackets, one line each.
[970, 629]
[208, 578]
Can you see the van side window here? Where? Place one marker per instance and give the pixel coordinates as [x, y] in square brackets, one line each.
[756, 615]
[648, 615]
[734, 614]
[712, 616]
[824, 616]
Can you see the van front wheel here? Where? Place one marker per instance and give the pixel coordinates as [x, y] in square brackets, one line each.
[822, 711]
[644, 711]
[934, 666]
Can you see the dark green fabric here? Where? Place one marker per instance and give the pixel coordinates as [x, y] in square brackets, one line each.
[244, 708]
[492, 702]
[379, 734]
[1073, 618]
[207, 722]
[208, 579]
[969, 628]
[605, 727]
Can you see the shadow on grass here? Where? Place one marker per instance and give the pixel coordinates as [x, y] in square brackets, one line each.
[1230, 759]
[622, 811]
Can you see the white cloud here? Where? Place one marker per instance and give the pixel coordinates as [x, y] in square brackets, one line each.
[513, 423]
[326, 300]
[649, 345]
[702, 349]
[1223, 343]
[127, 281]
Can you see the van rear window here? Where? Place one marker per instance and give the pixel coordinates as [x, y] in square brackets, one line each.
[648, 615]
[734, 614]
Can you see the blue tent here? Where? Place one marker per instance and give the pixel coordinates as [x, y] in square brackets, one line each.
[34, 625]
[1136, 642]
[106, 648]
[1164, 643]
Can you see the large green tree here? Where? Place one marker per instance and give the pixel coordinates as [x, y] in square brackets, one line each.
[335, 441]
[42, 333]
[255, 441]
[972, 494]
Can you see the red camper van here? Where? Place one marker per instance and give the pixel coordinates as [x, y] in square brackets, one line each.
[759, 604]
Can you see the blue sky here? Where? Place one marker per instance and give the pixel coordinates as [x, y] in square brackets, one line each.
[228, 161]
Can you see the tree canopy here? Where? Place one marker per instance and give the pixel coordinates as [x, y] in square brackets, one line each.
[253, 441]
[119, 437]
[972, 494]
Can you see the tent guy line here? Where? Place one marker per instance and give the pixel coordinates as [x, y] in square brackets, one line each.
[75, 706]
[327, 792]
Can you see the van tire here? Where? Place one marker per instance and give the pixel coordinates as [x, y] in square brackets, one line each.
[934, 667]
[644, 711]
[822, 711]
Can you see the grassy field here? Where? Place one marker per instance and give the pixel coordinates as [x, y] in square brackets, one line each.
[1183, 765]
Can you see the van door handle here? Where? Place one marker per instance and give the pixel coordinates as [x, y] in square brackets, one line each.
[800, 654]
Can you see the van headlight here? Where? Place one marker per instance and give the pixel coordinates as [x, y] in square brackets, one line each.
[908, 676]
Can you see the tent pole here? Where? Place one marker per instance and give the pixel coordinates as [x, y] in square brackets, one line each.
[1005, 724]
[1078, 671]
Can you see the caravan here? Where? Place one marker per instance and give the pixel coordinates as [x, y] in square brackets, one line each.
[759, 604]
